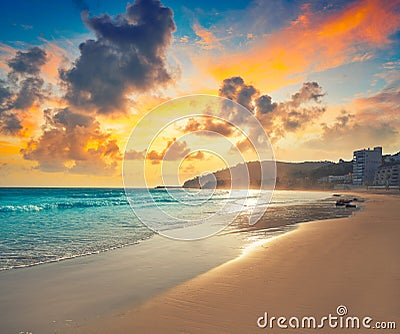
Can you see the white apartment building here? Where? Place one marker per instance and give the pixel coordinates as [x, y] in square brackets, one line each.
[388, 174]
[365, 163]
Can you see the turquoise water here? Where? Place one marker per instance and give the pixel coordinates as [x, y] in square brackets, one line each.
[46, 224]
[39, 225]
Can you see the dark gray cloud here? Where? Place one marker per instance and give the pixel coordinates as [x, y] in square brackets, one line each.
[10, 123]
[128, 54]
[22, 89]
[29, 93]
[5, 93]
[310, 91]
[264, 105]
[29, 62]
[303, 108]
[64, 145]
[236, 90]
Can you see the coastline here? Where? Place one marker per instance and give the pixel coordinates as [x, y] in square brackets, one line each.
[103, 219]
[74, 294]
[53, 296]
[310, 271]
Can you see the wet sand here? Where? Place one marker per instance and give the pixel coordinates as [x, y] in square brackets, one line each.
[55, 297]
[310, 271]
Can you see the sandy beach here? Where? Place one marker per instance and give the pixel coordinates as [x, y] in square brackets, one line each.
[62, 296]
[311, 271]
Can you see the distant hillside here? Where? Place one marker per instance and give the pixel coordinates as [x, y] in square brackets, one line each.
[290, 175]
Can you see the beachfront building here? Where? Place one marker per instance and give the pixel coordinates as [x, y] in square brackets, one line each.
[388, 174]
[336, 179]
[365, 164]
[391, 158]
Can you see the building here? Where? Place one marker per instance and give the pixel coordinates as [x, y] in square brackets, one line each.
[392, 158]
[365, 164]
[388, 174]
[336, 179]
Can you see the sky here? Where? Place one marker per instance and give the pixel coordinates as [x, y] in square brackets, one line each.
[77, 77]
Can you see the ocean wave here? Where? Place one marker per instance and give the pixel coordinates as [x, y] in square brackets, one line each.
[61, 206]
[98, 195]
[27, 260]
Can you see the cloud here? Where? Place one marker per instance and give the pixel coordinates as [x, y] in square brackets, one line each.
[199, 155]
[29, 62]
[29, 93]
[135, 155]
[236, 90]
[294, 120]
[128, 55]
[248, 96]
[207, 41]
[73, 142]
[9, 122]
[242, 145]
[5, 92]
[57, 57]
[303, 108]
[350, 133]
[374, 120]
[310, 91]
[174, 150]
[264, 105]
[382, 106]
[317, 40]
[22, 89]
[211, 125]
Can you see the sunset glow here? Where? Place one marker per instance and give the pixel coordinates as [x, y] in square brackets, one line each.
[322, 78]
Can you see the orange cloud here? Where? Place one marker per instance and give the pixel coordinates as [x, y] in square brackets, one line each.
[314, 42]
[174, 150]
[6, 52]
[75, 143]
[208, 40]
[382, 107]
[199, 155]
[57, 57]
[208, 124]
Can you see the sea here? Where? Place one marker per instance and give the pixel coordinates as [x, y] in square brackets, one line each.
[42, 225]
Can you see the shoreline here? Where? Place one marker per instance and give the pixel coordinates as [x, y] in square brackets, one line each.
[226, 230]
[48, 297]
[121, 267]
[313, 269]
